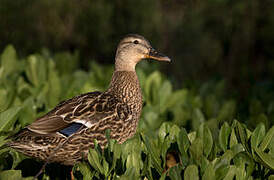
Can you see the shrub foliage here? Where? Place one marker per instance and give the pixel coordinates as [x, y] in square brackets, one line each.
[183, 133]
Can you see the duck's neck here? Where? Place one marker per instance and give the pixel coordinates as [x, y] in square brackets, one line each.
[125, 85]
[124, 61]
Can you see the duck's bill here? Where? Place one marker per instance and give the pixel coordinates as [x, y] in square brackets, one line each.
[153, 54]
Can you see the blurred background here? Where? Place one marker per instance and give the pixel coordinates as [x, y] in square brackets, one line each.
[225, 42]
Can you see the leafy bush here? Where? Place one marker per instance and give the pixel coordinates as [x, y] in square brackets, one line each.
[183, 133]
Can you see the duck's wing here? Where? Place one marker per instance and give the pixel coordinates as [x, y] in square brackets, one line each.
[83, 111]
[66, 114]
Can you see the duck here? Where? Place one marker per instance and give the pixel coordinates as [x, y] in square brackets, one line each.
[65, 134]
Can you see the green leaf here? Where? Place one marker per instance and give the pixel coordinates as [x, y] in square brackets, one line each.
[267, 139]
[267, 159]
[237, 148]
[183, 141]
[191, 172]
[183, 144]
[191, 136]
[164, 94]
[36, 70]
[151, 88]
[196, 150]
[106, 167]
[28, 112]
[11, 175]
[151, 118]
[244, 158]
[85, 170]
[129, 174]
[8, 61]
[7, 96]
[257, 136]
[8, 118]
[209, 173]
[175, 173]
[93, 159]
[231, 173]
[163, 176]
[224, 159]
[174, 132]
[241, 173]
[54, 84]
[197, 118]
[163, 131]
[233, 139]
[242, 135]
[205, 134]
[134, 160]
[224, 136]
[221, 172]
[176, 98]
[203, 165]
[154, 152]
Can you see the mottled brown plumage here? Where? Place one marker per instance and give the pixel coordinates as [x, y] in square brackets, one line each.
[67, 132]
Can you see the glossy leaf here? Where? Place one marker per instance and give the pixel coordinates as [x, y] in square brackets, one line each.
[93, 159]
[209, 173]
[196, 150]
[85, 171]
[233, 139]
[231, 173]
[267, 159]
[267, 139]
[191, 172]
[221, 172]
[257, 135]
[224, 136]
[8, 118]
[183, 141]
[242, 135]
[205, 134]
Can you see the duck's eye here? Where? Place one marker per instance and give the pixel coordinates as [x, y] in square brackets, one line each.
[136, 42]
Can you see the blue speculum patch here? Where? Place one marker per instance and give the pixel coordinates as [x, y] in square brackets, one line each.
[73, 128]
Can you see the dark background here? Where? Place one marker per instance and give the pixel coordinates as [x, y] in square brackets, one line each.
[227, 40]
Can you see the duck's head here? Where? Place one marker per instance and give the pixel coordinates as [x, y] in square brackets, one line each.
[132, 49]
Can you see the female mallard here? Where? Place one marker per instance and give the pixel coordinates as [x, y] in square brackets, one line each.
[74, 123]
